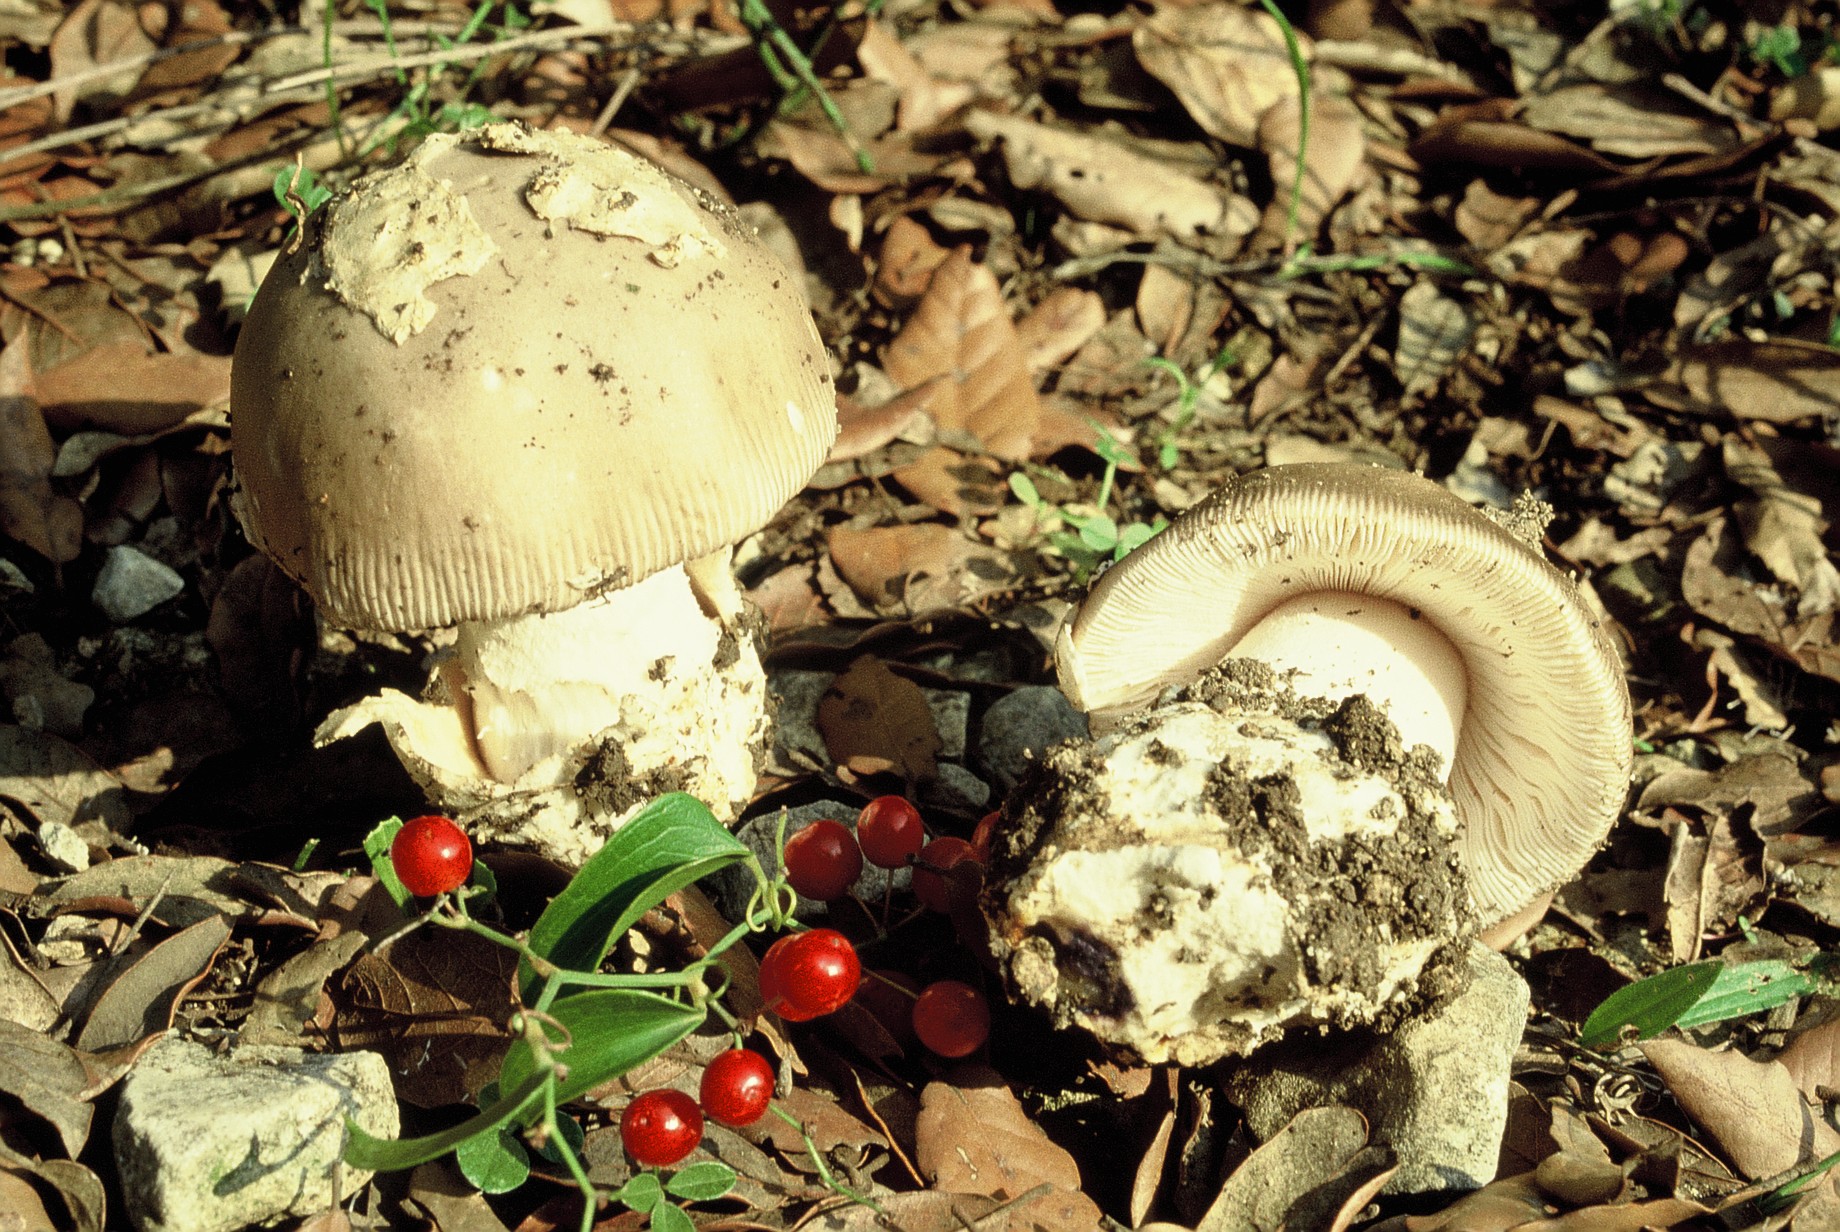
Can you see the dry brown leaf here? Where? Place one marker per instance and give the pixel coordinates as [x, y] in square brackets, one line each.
[1813, 1060]
[47, 1078]
[955, 483]
[1480, 135]
[1306, 1154]
[435, 1005]
[1629, 1217]
[1779, 381]
[873, 719]
[1059, 325]
[918, 568]
[863, 429]
[1750, 1108]
[1784, 528]
[1488, 219]
[122, 388]
[98, 33]
[31, 511]
[1102, 181]
[961, 335]
[1716, 582]
[1435, 332]
[1511, 1202]
[53, 780]
[909, 257]
[976, 1139]
[1332, 163]
[1227, 63]
[140, 1001]
[1628, 120]
[789, 599]
[1713, 874]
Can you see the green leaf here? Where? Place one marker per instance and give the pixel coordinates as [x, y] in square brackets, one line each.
[1651, 1006]
[672, 842]
[494, 1162]
[642, 1192]
[1099, 533]
[1134, 536]
[610, 1031]
[377, 849]
[373, 1154]
[573, 1136]
[1747, 988]
[667, 1218]
[1024, 488]
[702, 1182]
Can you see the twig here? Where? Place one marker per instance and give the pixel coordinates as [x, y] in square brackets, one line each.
[621, 93]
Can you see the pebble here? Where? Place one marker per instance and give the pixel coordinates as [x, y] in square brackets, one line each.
[132, 583]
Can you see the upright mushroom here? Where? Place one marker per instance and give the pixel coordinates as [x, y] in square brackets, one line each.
[1349, 583]
[529, 386]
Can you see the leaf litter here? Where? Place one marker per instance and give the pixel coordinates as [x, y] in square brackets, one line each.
[1580, 252]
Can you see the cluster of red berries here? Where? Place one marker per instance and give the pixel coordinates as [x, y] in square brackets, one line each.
[825, 858]
[661, 1127]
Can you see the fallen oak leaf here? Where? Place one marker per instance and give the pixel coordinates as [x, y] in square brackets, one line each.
[874, 718]
[977, 1139]
[1752, 1109]
[961, 335]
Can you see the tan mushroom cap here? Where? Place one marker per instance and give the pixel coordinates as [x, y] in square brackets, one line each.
[1543, 757]
[514, 371]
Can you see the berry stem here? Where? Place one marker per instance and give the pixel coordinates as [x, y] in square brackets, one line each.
[824, 1170]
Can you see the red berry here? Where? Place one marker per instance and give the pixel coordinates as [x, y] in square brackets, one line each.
[810, 974]
[661, 1127]
[772, 981]
[737, 1086]
[890, 831]
[986, 830]
[952, 1018]
[823, 860]
[431, 855]
[931, 885]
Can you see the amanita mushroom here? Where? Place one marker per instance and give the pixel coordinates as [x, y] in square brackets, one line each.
[529, 386]
[1382, 595]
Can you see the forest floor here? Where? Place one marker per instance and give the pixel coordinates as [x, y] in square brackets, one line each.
[1060, 259]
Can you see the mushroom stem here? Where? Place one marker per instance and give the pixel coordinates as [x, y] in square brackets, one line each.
[538, 685]
[1337, 644]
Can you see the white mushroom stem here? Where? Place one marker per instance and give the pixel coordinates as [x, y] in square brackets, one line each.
[1338, 644]
[537, 686]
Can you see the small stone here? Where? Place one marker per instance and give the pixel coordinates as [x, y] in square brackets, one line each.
[63, 847]
[951, 718]
[1020, 727]
[797, 742]
[207, 1144]
[955, 789]
[13, 578]
[1435, 1089]
[132, 583]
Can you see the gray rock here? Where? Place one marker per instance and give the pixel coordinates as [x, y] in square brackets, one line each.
[797, 742]
[956, 789]
[1019, 727]
[206, 1144]
[63, 847]
[731, 888]
[951, 719]
[132, 584]
[1435, 1089]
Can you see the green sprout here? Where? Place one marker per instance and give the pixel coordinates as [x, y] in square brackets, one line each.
[1096, 538]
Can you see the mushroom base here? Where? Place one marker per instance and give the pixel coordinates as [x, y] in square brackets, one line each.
[549, 730]
[1228, 867]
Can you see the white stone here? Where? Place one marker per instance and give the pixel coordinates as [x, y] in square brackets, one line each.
[207, 1144]
[132, 583]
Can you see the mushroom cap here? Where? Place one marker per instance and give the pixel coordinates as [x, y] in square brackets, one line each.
[1543, 759]
[515, 370]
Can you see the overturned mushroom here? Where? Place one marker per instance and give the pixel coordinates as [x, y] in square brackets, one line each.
[529, 386]
[1350, 583]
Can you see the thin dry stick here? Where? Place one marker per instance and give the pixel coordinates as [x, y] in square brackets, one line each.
[235, 38]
